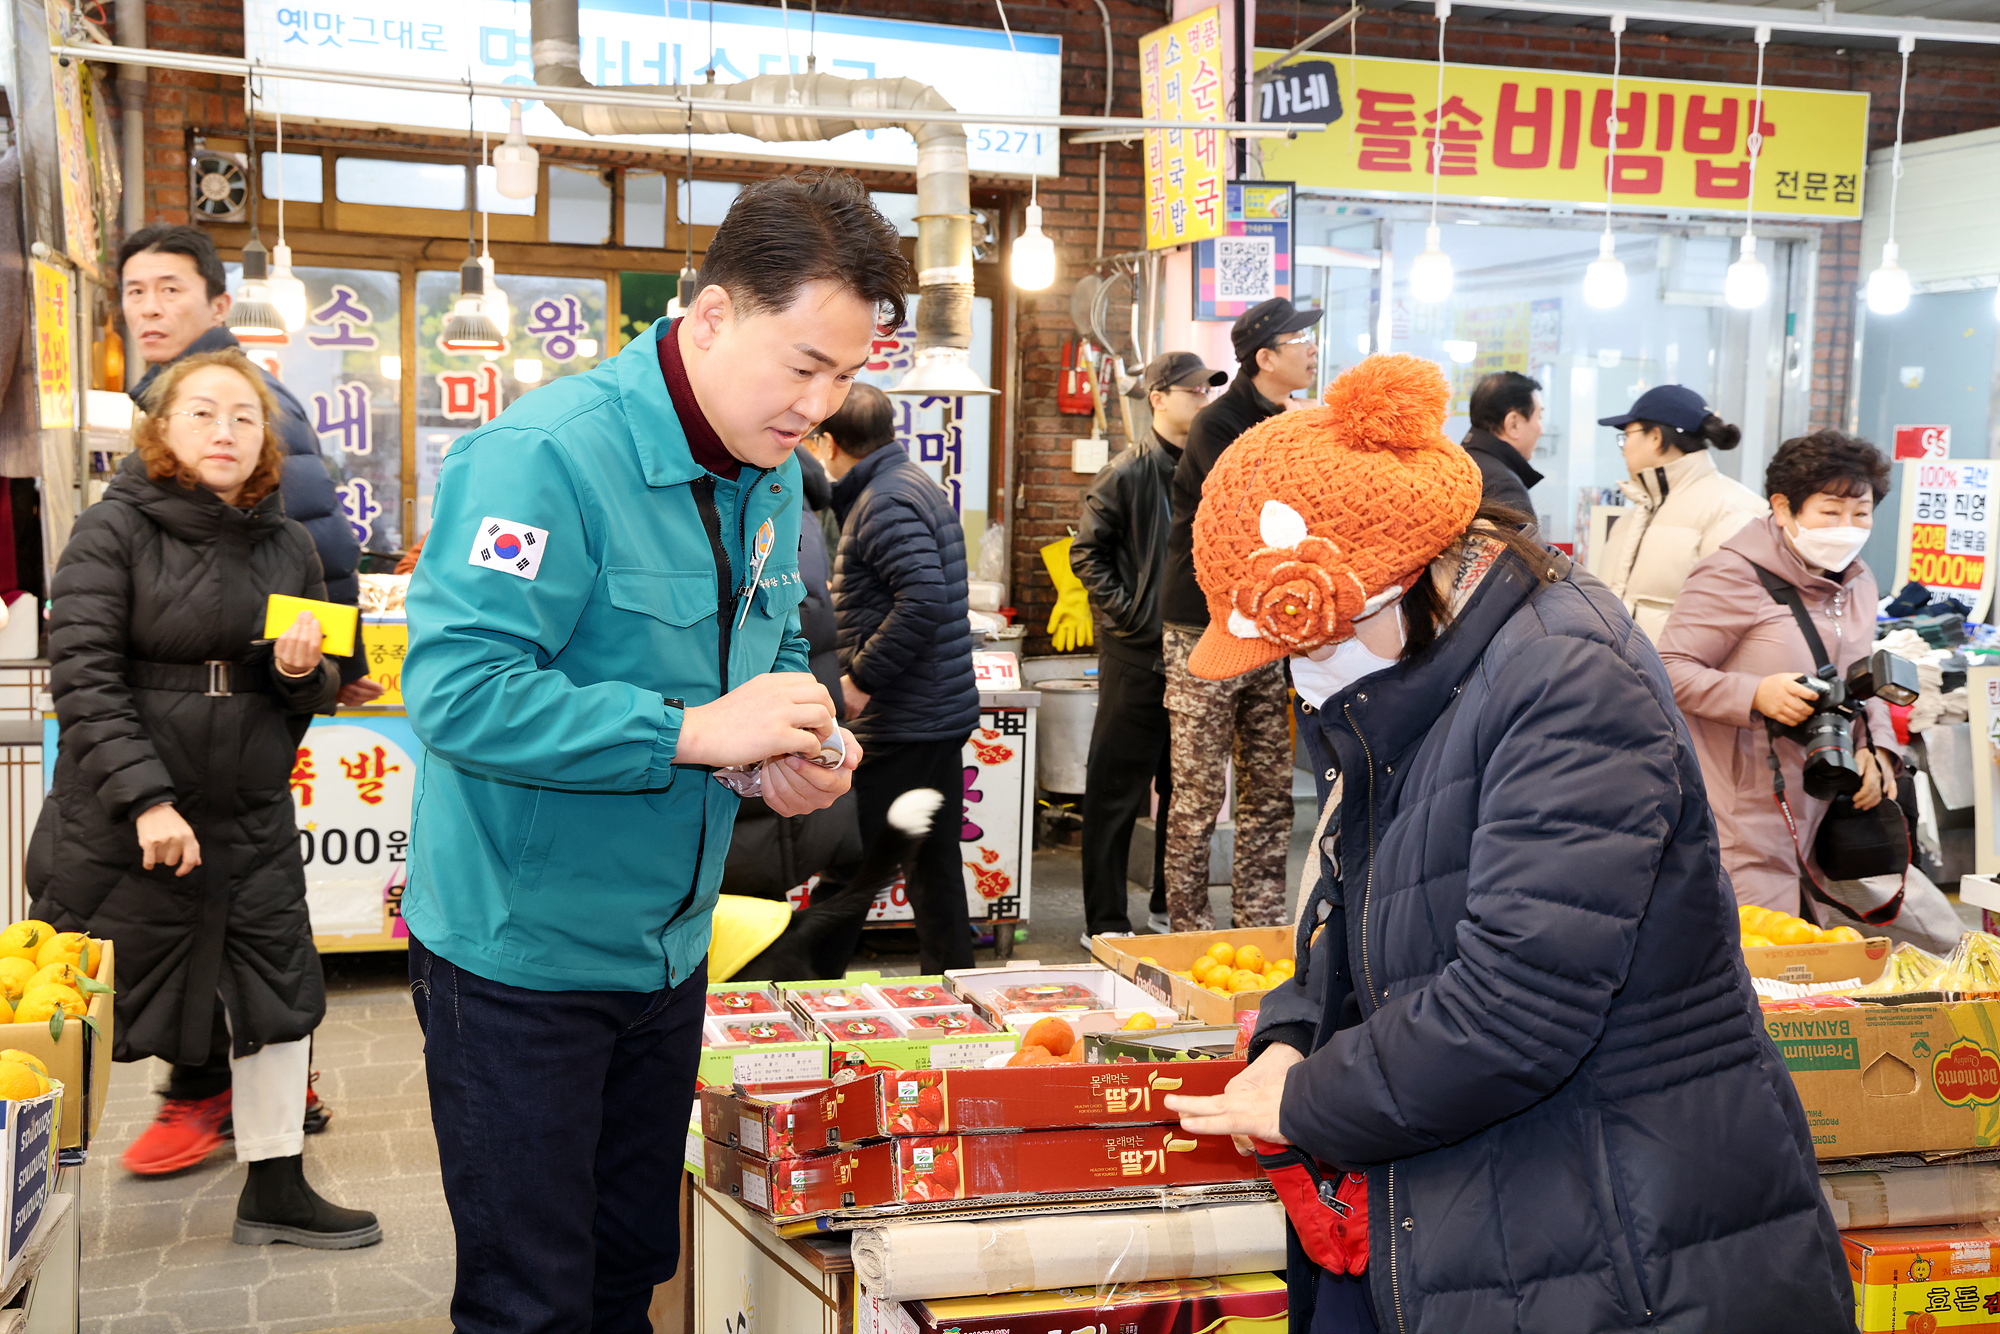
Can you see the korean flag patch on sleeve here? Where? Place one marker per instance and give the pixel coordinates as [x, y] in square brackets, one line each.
[502, 544]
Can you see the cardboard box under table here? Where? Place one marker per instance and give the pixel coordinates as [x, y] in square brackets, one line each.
[79, 1059]
[28, 1157]
[1924, 1278]
[1175, 954]
[1237, 1304]
[1892, 1079]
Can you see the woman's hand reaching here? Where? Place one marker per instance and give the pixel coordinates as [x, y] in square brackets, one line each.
[1248, 1106]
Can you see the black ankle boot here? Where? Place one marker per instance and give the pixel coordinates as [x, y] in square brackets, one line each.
[278, 1205]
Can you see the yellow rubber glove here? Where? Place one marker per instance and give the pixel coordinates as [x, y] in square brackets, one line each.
[1069, 623]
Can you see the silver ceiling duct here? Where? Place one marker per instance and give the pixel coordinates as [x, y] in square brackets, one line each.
[944, 189]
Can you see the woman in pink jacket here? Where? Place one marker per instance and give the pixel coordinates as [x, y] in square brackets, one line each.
[1735, 655]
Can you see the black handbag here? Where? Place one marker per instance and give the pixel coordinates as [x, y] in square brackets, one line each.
[1851, 844]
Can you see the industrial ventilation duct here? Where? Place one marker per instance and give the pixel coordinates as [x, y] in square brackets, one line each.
[944, 189]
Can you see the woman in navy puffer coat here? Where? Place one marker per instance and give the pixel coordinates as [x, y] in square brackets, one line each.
[1520, 1007]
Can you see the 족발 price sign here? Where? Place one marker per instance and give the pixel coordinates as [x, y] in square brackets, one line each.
[1946, 537]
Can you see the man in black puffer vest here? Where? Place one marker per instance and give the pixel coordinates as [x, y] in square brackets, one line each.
[905, 655]
[175, 300]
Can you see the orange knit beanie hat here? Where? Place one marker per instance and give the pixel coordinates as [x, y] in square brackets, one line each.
[1316, 518]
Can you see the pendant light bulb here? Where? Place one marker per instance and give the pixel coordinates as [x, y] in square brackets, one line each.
[253, 317]
[1889, 285]
[495, 300]
[1748, 282]
[1604, 279]
[286, 290]
[517, 167]
[1430, 272]
[1033, 262]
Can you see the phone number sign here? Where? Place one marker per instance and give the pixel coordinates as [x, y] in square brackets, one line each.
[1947, 531]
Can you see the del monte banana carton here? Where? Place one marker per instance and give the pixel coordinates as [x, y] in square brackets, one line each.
[1882, 1079]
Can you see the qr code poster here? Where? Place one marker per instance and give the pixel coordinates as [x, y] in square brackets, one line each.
[1252, 260]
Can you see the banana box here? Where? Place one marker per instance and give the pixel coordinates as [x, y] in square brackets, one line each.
[1924, 1280]
[1889, 1079]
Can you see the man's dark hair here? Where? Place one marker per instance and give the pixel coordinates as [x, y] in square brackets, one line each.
[1831, 461]
[178, 239]
[863, 424]
[1500, 393]
[788, 231]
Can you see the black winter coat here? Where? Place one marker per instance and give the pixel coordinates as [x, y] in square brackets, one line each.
[1120, 552]
[1503, 474]
[310, 496]
[157, 580]
[1215, 428]
[1527, 1017]
[899, 596]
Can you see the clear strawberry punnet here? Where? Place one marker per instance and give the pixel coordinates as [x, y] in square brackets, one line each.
[760, 1030]
[835, 1000]
[941, 1023]
[857, 1027]
[922, 996]
[741, 1002]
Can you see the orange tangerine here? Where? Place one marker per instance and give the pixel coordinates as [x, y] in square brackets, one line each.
[1250, 959]
[1223, 953]
[1752, 941]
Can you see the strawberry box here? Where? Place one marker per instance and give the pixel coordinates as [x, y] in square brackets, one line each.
[856, 1027]
[919, 1041]
[833, 1000]
[1230, 1304]
[955, 1022]
[1091, 999]
[724, 999]
[926, 1102]
[755, 1030]
[930, 1170]
[791, 1119]
[758, 1048]
[924, 993]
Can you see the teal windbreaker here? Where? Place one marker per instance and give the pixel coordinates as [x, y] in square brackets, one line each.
[584, 579]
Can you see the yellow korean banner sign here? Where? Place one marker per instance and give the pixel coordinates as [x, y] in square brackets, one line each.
[1522, 134]
[1180, 78]
[55, 377]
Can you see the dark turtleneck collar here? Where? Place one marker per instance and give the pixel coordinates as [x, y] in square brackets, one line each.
[703, 443]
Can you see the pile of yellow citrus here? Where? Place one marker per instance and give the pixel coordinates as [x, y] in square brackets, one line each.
[43, 970]
[1767, 926]
[22, 1075]
[1227, 969]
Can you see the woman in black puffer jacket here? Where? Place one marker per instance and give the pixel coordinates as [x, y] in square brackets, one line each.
[169, 828]
[1521, 1015]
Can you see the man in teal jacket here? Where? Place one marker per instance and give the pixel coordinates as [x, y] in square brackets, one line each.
[607, 611]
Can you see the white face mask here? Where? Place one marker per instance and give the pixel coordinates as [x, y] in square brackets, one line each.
[1317, 680]
[1830, 549]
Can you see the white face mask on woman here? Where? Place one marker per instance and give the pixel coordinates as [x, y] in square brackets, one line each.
[1319, 680]
[1830, 549]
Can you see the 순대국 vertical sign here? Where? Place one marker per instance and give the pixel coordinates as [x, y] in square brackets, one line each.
[1180, 78]
[1945, 538]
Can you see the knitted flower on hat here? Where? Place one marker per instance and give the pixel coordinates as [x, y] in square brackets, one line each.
[1314, 519]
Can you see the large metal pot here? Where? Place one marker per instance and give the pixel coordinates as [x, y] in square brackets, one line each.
[1062, 724]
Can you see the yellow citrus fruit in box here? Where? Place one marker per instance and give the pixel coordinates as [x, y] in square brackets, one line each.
[1147, 958]
[1792, 931]
[1244, 980]
[41, 1002]
[70, 947]
[1753, 941]
[1140, 1020]
[1288, 966]
[60, 973]
[1200, 969]
[1223, 953]
[1840, 933]
[1250, 959]
[21, 1081]
[22, 939]
[14, 975]
[28, 1059]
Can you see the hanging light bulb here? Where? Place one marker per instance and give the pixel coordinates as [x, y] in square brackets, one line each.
[684, 293]
[493, 299]
[468, 328]
[253, 317]
[1033, 262]
[516, 164]
[1604, 279]
[287, 290]
[1748, 282]
[1430, 272]
[1889, 285]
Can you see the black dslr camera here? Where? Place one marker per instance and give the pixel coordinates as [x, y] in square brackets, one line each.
[1828, 735]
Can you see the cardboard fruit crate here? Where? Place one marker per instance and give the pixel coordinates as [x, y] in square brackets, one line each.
[1838, 961]
[1174, 954]
[28, 1157]
[1232, 1304]
[79, 1059]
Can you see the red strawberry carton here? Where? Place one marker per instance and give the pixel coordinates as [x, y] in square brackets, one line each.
[834, 1000]
[726, 1000]
[1233, 1303]
[958, 1021]
[1044, 1097]
[856, 1027]
[755, 1030]
[923, 993]
[1091, 999]
[799, 1187]
[790, 1118]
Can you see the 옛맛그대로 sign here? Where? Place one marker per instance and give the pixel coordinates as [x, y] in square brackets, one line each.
[1522, 134]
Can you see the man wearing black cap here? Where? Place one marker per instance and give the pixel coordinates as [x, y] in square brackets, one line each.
[1120, 554]
[1276, 357]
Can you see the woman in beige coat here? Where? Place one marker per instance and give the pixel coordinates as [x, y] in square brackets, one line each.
[1683, 509]
[1735, 655]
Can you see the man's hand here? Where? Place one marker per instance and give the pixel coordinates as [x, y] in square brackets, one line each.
[166, 840]
[1877, 783]
[777, 713]
[793, 786]
[1248, 1105]
[1784, 698]
[853, 696]
[364, 691]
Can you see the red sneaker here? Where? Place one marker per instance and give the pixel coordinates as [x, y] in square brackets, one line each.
[186, 1131]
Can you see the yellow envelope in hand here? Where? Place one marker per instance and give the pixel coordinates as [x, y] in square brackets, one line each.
[336, 620]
